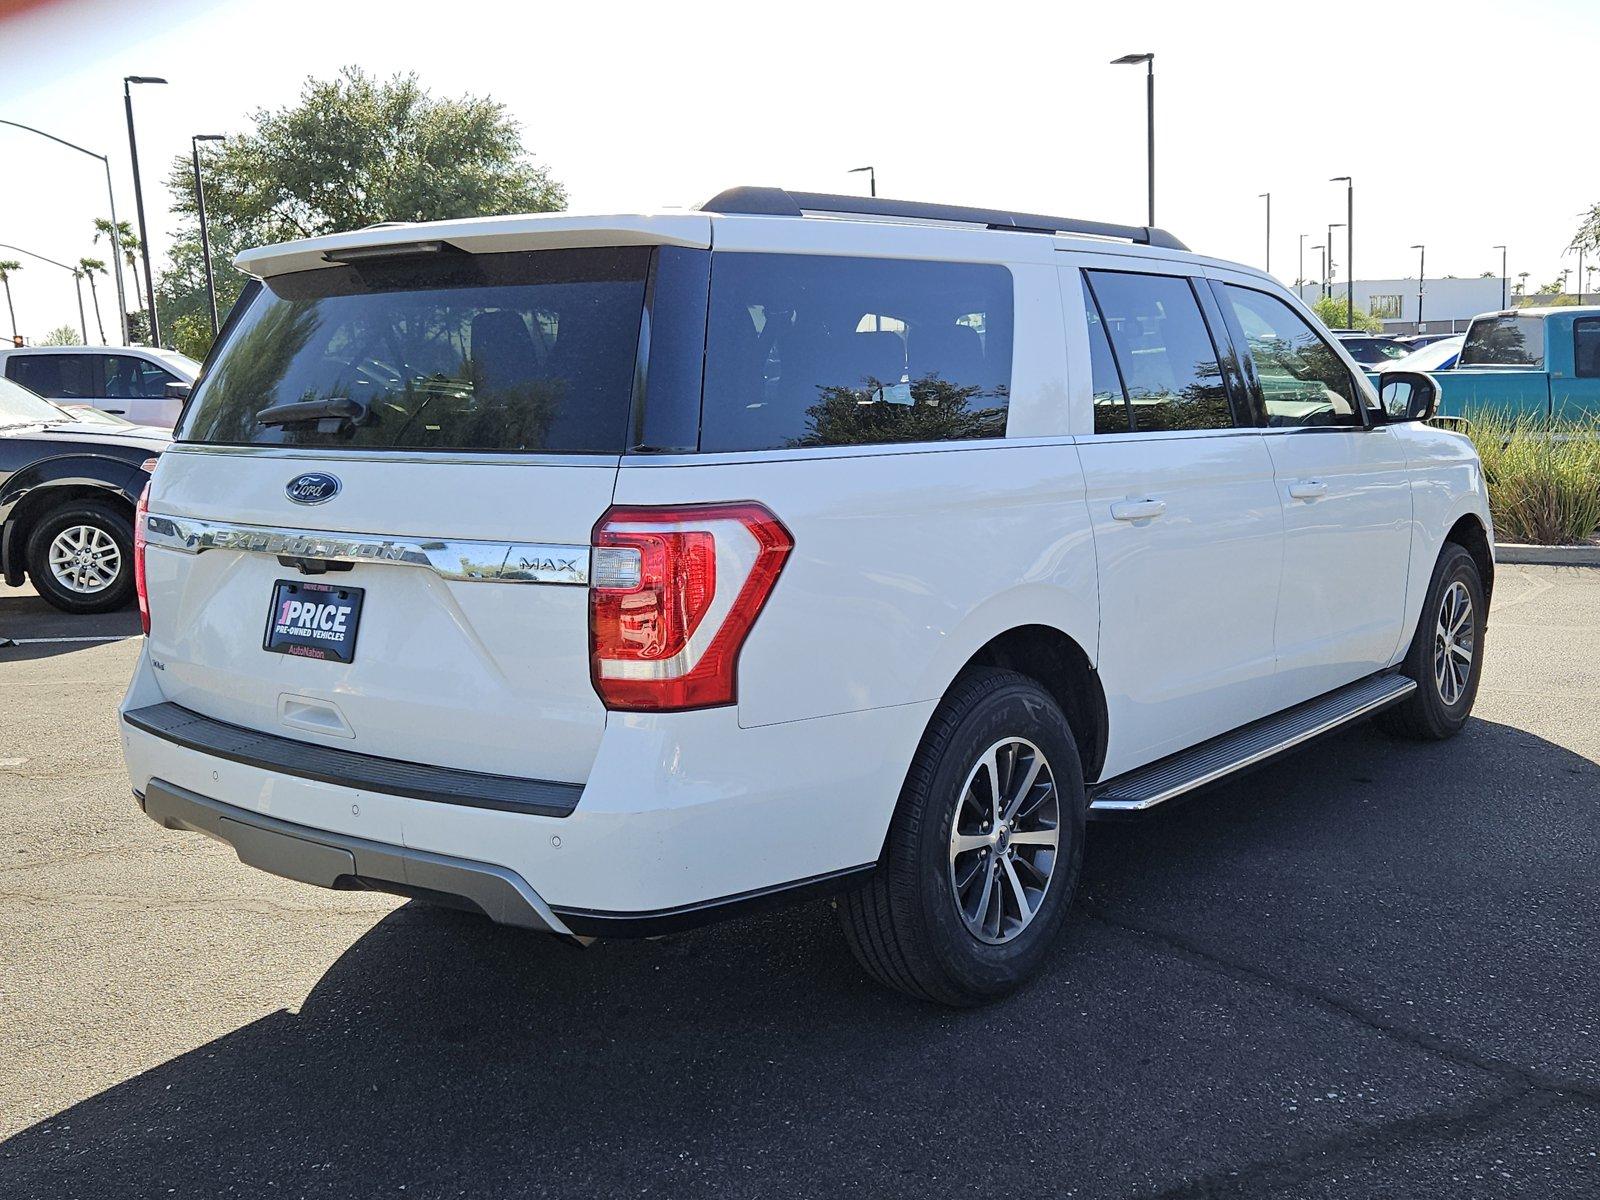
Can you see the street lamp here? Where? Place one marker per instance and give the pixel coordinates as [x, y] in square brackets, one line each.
[872, 177]
[205, 237]
[1328, 289]
[1349, 249]
[116, 241]
[1504, 279]
[1149, 60]
[1422, 267]
[1267, 196]
[138, 202]
[1322, 286]
[77, 279]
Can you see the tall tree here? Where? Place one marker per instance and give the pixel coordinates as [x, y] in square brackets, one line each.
[129, 241]
[61, 335]
[92, 267]
[7, 266]
[351, 151]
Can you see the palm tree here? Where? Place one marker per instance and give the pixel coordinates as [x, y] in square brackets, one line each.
[92, 267]
[7, 266]
[129, 241]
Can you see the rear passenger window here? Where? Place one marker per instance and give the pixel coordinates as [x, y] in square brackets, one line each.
[1168, 363]
[54, 376]
[1302, 380]
[1586, 347]
[127, 377]
[1111, 412]
[808, 350]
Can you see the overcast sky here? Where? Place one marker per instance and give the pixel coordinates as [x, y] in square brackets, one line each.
[1460, 121]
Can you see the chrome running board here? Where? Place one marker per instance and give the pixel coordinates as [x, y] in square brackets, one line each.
[1245, 747]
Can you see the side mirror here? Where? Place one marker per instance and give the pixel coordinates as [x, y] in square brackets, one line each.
[178, 390]
[1407, 395]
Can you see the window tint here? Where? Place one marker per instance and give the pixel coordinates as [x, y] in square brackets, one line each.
[1164, 351]
[806, 350]
[1586, 347]
[1302, 380]
[56, 376]
[127, 377]
[1504, 342]
[532, 351]
[1111, 412]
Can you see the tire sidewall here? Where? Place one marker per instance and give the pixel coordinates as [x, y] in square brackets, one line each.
[1016, 710]
[45, 529]
[1455, 565]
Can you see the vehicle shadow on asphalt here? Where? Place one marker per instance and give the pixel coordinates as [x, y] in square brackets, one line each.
[25, 617]
[449, 1056]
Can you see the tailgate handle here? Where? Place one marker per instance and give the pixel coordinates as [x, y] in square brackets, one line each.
[313, 715]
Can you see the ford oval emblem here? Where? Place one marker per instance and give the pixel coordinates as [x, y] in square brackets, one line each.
[312, 488]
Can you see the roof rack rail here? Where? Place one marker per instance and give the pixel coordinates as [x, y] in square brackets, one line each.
[777, 202]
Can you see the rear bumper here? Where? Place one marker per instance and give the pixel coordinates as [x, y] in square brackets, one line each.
[683, 818]
[334, 860]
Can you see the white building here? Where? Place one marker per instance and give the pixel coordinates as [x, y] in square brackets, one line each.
[1447, 304]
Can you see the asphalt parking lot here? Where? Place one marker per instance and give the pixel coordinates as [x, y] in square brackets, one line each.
[1371, 969]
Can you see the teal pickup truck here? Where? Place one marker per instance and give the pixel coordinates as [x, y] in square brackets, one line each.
[1527, 362]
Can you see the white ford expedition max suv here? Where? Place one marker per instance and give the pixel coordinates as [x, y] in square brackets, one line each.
[611, 574]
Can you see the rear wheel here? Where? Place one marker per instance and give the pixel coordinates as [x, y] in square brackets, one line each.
[80, 557]
[982, 857]
[1446, 655]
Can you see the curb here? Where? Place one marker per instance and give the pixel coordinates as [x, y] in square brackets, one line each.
[1547, 556]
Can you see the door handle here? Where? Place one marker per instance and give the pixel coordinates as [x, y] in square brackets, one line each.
[1307, 489]
[1137, 510]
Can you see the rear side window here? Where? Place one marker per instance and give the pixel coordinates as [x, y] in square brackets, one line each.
[55, 376]
[1163, 350]
[1504, 342]
[810, 350]
[532, 351]
[1111, 411]
[1586, 347]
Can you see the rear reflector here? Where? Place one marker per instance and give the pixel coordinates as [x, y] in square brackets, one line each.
[673, 596]
[139, 514]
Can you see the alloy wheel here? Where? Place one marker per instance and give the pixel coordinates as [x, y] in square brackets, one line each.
[1453, 643]
[1004, 840]
[84, 559]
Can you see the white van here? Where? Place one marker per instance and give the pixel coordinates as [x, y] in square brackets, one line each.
[614, 573]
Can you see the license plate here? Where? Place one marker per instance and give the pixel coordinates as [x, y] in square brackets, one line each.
[313, 620]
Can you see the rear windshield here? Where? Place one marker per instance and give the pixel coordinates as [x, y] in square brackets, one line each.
[1504, 342]
[532, 351]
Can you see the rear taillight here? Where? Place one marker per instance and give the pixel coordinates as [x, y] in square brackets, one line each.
[673, 593]
[138, 558]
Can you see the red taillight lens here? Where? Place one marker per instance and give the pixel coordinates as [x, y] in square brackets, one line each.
[673, 594]
[138, 558]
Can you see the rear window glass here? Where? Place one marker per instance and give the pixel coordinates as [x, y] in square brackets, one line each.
[1504, 342]
[530, 351]
[58, 376]
[809, 350]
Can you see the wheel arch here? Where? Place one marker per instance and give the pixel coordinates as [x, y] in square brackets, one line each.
[22, 507]
[1470, 534]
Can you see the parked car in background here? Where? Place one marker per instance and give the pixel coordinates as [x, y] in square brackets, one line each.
[127, 381]
[68, 488]
[1369, 348]
[613, 574]
[1437, 355]
[1415, 341]
[1527, 362]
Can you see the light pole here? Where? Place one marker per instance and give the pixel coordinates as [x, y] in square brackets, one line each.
[1504, 279]
[1580, 274]
[872, 178]
[1300, 274]
[1331, 264]
[1149, 60]
[111, 197]
[138, 202]
[1267, 196]
[1422, 269]
[1322, 286]
[1349, 249]
[77, 279]
[205, 237]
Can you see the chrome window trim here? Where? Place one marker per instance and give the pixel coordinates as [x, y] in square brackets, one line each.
[454, 559]
[324, 454]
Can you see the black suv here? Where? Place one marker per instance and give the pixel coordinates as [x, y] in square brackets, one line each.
[68, 487]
